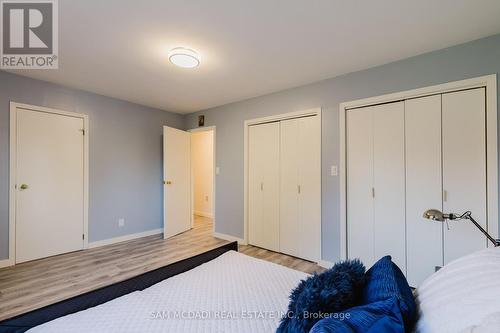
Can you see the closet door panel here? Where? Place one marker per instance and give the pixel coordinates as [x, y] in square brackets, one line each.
[309, 166]
[423, 186]
[289, 180]
[254, 185]
[359, 141]
[464, 169]
[389, 182]
[263, 180]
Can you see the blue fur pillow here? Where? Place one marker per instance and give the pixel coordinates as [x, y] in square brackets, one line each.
[335, 290]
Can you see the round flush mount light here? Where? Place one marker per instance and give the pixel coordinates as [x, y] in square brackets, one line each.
[183, 57]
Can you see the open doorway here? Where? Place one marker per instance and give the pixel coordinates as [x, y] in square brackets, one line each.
[203, 176]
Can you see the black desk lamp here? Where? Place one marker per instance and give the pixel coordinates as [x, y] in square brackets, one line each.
[437, 215]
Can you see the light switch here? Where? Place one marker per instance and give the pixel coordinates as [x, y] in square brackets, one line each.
[217, 170]
[334, 171]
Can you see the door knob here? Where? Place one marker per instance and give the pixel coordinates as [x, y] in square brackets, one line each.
[23, 186]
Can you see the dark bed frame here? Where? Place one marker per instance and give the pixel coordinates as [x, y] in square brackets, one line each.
[28, 320]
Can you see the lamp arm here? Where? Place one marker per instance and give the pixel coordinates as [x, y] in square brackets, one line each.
[468, 215]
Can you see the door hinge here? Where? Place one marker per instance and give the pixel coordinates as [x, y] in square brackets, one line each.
[373, 192]
[83, 236]
[83, 131]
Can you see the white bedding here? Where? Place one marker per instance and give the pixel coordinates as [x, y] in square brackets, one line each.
[233, 293]
[463, 296]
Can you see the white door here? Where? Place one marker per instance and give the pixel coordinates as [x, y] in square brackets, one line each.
[360, 228]
[263, 185]
[389, 183]
[464, 170]
[177, 207]
[309, 180]
[49, 184]
[423, 186]
[289, 188]
[376, 183]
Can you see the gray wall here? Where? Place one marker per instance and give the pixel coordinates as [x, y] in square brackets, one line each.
[473, 59]
[125, 156]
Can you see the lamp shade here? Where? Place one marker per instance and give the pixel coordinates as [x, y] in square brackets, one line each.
[434, 214]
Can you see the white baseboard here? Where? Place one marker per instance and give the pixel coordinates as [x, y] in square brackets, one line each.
[230, 238]
[325, 264]
[6, 263]
[203, 214]
[124, 238]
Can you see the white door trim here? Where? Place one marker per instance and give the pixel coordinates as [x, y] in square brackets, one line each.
[214, 184]
[12, 172]
[262, 120]
[490, 83]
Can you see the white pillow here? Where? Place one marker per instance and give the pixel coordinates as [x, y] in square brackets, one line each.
[460, 295]
[490, 324]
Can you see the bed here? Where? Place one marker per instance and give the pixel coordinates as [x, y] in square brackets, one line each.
[219, 291]
[224, 291]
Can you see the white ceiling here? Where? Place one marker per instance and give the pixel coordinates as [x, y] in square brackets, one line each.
[248, 47]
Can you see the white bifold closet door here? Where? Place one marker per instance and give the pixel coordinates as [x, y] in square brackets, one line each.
[406, 157]
[360, 226]
[289, 185]
[376, 183]
[263, 185]
[464, 169]
[300, 187]
[423, 186]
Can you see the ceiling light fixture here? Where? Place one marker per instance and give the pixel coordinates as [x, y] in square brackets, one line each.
[183, 57]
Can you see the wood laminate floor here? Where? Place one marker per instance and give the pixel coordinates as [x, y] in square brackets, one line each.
[281, 259]
[38, 283]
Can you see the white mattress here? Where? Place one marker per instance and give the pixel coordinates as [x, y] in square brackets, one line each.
[233, 293]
